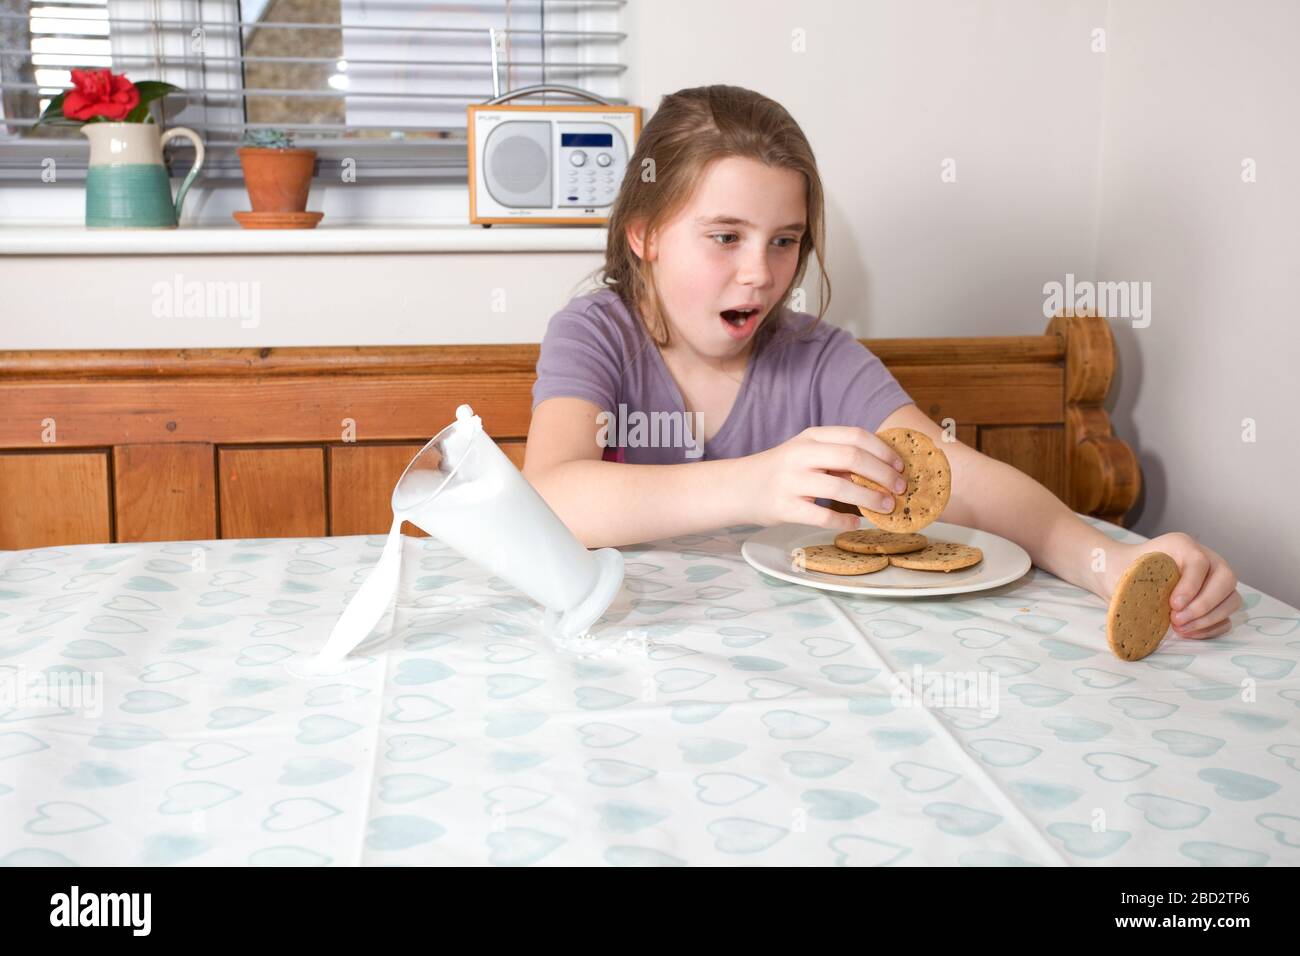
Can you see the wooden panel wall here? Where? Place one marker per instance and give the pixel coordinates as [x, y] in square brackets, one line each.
[237, 443]
[54, 498]
[272, 492]
[361, 483]
[1037, 450]
[165, 492]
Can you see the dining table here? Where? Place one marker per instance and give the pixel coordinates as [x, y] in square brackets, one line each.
[155, 711]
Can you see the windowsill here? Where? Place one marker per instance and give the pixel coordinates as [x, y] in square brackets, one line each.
[69, 240]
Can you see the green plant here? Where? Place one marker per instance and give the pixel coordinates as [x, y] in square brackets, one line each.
[268, 139]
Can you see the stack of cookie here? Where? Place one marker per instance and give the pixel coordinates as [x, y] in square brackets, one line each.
[895, 541]
[862, 552]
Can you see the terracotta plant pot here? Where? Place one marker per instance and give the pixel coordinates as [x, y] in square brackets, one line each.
[277, 180]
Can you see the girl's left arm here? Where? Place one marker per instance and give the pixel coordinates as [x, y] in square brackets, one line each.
[995, 497]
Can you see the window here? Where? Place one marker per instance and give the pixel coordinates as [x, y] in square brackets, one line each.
[385, 82]
[40, 43]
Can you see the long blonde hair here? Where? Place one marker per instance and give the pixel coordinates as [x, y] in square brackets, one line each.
[691, 129]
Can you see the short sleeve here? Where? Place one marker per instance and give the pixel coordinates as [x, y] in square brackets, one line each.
[578, 359]
[852, 386]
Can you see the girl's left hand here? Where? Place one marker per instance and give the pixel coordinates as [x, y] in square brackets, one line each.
[1206, 592]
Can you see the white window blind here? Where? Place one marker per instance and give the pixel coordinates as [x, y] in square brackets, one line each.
[384, 82]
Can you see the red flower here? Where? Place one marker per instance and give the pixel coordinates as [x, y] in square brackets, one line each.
[100, 93]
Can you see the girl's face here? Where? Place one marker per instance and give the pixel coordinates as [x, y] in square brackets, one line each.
[734, 247]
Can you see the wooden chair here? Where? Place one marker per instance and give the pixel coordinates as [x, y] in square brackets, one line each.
[148, 445]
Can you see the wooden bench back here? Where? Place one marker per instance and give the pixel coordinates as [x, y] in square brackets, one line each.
[148, 445]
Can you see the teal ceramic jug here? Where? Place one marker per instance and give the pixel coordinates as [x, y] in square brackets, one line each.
[126, 183]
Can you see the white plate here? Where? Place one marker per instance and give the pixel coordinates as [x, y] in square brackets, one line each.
[769, 551]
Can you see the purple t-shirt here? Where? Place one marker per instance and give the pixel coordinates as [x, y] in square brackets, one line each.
[595, 350]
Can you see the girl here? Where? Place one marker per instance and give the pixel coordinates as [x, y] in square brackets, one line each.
[739, 410]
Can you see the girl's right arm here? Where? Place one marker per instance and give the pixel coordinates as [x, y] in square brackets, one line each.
[609, 504]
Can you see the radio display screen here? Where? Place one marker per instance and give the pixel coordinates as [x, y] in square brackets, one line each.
[587, 139]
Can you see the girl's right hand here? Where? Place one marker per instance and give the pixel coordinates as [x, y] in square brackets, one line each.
[781, 484]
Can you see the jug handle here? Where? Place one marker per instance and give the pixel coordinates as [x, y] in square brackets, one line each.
[193, 137]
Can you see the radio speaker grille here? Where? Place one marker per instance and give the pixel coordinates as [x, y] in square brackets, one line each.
[519, 164]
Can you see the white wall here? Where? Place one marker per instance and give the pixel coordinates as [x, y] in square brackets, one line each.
[446, 298]
[1188, 98]
[885, 93]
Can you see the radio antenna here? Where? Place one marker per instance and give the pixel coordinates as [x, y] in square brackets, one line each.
[496, 79]
[535, 89]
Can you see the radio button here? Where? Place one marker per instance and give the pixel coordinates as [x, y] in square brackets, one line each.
[603, 159]
[578, 158]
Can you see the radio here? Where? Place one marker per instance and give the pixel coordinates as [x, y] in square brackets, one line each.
[547, 164]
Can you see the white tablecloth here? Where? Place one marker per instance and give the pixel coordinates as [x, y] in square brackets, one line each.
[735, 719]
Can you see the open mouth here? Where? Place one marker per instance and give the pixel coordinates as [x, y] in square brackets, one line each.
[738, 317]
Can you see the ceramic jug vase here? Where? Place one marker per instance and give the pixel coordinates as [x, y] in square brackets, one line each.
[126, 183]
